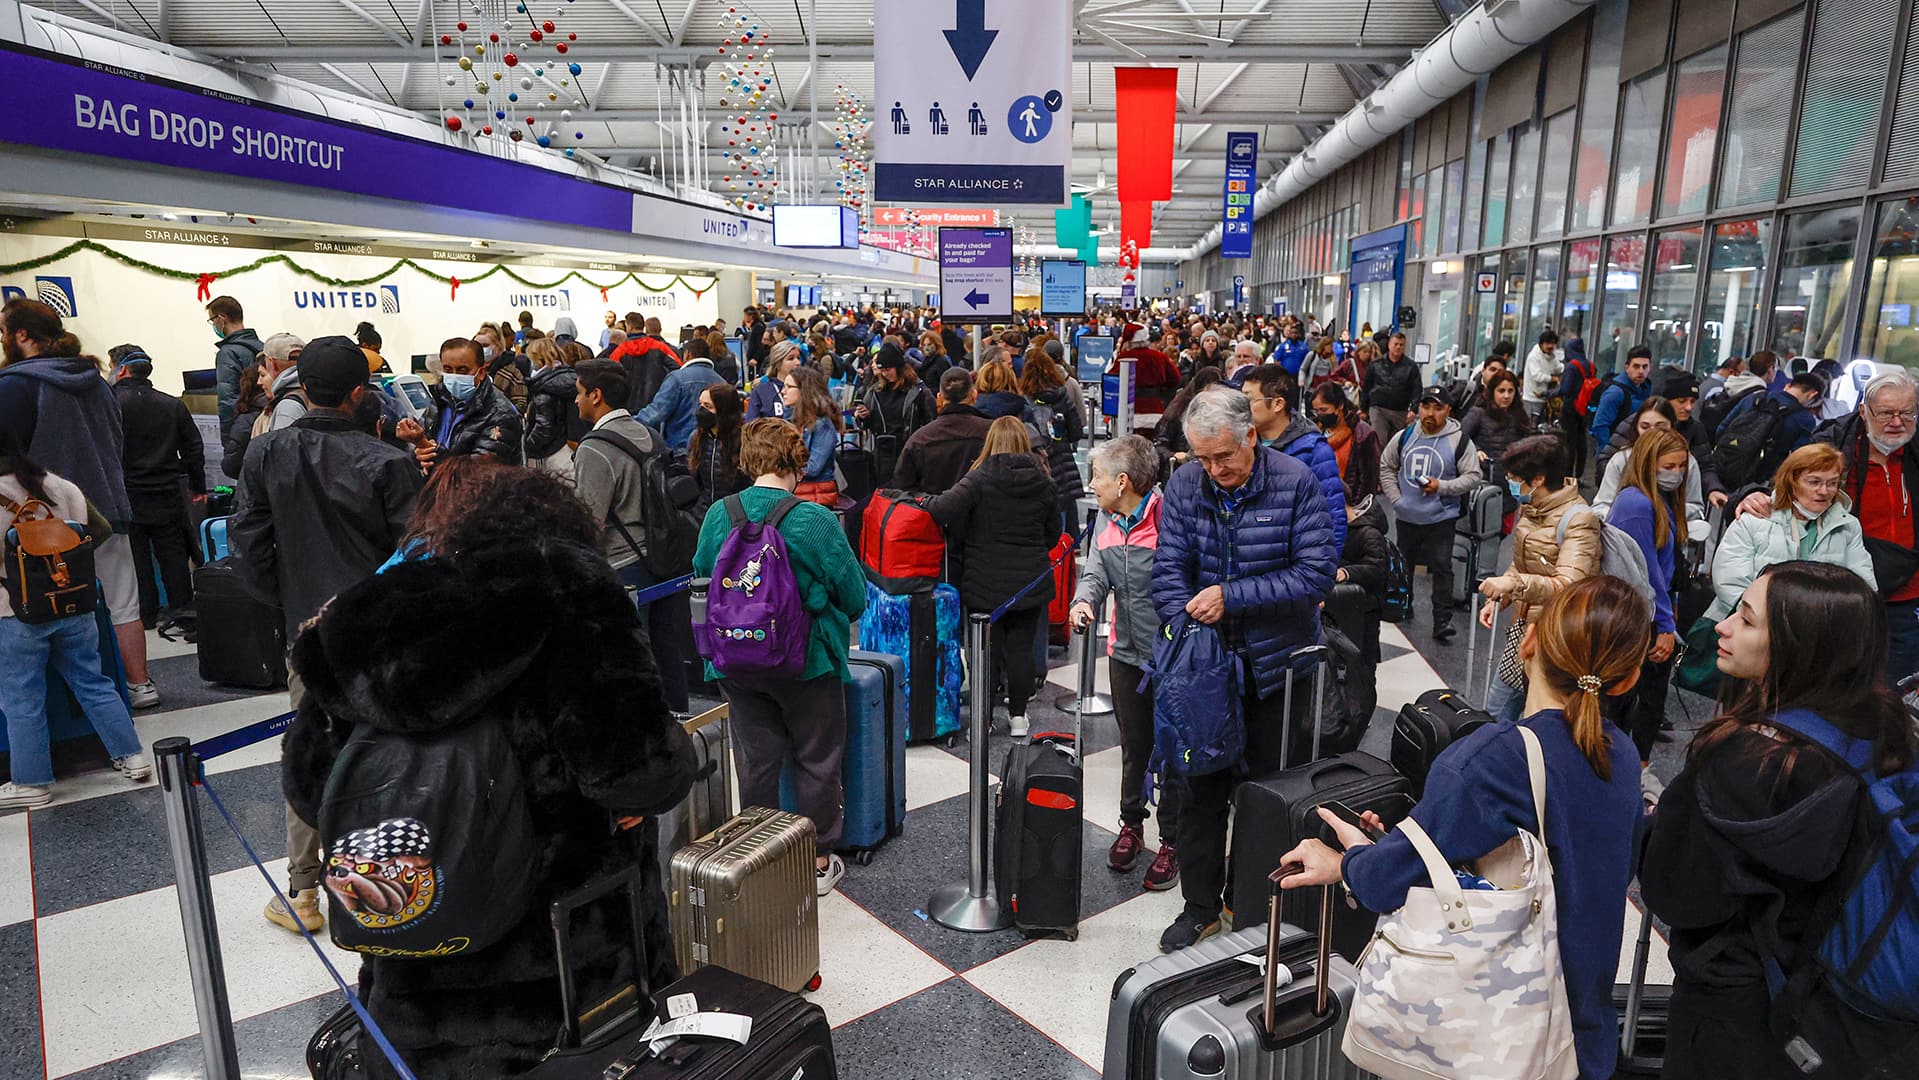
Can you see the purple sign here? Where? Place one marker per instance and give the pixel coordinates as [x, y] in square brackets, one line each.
[87, 108]
[976, 275]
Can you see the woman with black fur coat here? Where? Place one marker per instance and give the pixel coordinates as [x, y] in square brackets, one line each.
[505, 612]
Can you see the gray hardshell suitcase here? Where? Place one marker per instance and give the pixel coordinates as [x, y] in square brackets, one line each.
[1476, 540]
[1205, 1011]
[742, 898]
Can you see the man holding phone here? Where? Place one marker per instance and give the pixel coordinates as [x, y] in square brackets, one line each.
[1425, 471]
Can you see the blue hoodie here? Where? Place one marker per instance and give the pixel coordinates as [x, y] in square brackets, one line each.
[1621, 398]
[1290, 353]
[69, 422]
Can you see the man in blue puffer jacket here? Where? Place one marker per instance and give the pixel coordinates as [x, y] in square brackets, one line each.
[1274, 395]
[1246, 544]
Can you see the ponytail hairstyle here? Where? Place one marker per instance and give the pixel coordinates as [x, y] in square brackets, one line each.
[1642, 472]
[1589, 643]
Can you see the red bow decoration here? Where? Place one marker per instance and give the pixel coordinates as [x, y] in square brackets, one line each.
[602, 296]
[205, 282]
[455, 294]
[697, 293]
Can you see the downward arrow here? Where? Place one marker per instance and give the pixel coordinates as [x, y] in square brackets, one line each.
[974, 299]
[970, 39]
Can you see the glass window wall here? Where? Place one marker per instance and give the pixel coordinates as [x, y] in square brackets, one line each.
[1525, 184]
[1582, 289]
[1512, 300]
[1845, 89]
[1556, 174]
[1643, 102]
[1444, 293]
[1485, 310]
[1449, 226]
[1693, 133]
[1432, 217]
[1809, 292]
[1619, 301]
[1675, 278]
[1731, 313]
[1888, 334]
[1594, 162]
[1415, 228]
[1763, 80]
[1498, 167]
[1475, 195]
[1541, 311]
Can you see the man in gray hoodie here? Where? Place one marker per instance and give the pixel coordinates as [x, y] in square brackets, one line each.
[1425, 471]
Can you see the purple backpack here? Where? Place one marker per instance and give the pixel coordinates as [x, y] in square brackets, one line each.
[755, 622]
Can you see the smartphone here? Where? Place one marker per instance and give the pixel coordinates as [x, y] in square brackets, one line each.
[1346, 814]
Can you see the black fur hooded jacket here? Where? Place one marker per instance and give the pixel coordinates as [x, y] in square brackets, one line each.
[544, 639]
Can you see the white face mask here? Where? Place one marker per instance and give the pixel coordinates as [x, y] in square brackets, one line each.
[1806, 512]
[1671, 479]
[1887, 446]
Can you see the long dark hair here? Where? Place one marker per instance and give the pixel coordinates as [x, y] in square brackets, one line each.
[726, 405]
[1512, 416]
[29, 472]
[1203, 379]
[1826, 653]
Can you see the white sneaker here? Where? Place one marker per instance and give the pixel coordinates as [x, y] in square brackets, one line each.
[827, 878]
[134, 767]
[17, 796]
[145, 695]
[1017, 727]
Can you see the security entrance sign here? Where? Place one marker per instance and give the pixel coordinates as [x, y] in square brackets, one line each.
[979, 113]
[976, 275]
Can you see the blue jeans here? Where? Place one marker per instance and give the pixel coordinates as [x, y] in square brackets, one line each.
[1503, 701]
[73, 645]
[1902, 658]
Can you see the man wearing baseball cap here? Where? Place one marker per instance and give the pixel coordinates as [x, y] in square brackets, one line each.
[1425, 471]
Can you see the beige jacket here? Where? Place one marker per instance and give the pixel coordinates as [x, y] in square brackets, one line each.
[1541, 565]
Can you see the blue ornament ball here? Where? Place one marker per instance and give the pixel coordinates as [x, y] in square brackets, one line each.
[544, 141]
[499, 114]
[573, 69]
[468, 103]
[569, 151]
[579, 134]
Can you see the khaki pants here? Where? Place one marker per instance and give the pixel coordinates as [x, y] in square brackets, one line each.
[303, 840]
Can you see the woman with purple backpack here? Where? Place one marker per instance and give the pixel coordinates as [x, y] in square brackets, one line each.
[786, 689]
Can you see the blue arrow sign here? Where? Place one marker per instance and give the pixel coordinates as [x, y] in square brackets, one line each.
[976, 299]
[970, 39]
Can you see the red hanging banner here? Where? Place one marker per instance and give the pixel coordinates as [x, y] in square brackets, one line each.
[1147, 99]
[1135, 228]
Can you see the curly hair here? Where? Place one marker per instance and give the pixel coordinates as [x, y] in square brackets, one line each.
[475, 501]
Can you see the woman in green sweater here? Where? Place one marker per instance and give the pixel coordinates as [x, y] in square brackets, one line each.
[803, 720]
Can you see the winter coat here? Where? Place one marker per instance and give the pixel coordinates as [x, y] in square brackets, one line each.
[765, 401]
[1573, 373]
[1615, 474]
[648, 361]
[1000, 403]
[1364, 557]
[162, 448]
[1060, 456]
[675, 410]
[1794, 429]
[1155, 381]
[575, 690]
[1753, 543]
[238, 437]
[1290, 353]
[715, 477]
[1122, 565]
[1541, 377]
[1362, 462]
[1491, 437]
[486, 424]
[1271, 550]
[893, 414]
[1541, 565]
[297, 543]
[68, 420]
[1004, 516]
[549, 405]
[937, 455]
[822, 442]
[230, 359]
[504, 375]
[1390, 385]
[1620, 398]
[1303, 442]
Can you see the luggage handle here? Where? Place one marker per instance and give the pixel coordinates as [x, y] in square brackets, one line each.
[712, 716]
[628, 998]
[1277, 1033]
[1321, 657]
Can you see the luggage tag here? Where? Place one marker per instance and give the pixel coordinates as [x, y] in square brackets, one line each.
[1257, 960]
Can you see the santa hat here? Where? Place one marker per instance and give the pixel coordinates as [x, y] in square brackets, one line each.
[1135, 333]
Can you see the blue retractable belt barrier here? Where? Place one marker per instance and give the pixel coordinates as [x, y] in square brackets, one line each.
[242, 737]
[1001, 610]
[661, 591]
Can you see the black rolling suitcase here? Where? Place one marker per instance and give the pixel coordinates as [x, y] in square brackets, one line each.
[1427, 725]
[1643, 1014]
[242, 642]
[1037, 832]
[1284, 806]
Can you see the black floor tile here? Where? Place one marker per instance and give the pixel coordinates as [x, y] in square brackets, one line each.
[20, 1002]
[178, 680]
[950, 1032]
[271, 1045]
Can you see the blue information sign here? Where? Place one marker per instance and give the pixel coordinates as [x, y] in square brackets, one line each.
[1095, 355]
[1242, 179]
[1062, 287]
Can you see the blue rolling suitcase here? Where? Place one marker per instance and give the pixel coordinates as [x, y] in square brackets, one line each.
[213, 539]
[924, 629]
[874, 773]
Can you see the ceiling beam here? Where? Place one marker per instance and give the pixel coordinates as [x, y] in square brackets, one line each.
[367, 17]
[621, 7]
[1080, 116]
[1275, 53]
[685, 22]
[357, 86]
[162, 18]
[1224, 85]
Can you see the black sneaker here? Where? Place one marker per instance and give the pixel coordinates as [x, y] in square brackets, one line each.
[1444, 632]
[1186, 931]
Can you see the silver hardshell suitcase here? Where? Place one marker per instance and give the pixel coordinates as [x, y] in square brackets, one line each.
[1205, 1011]
[742, 898]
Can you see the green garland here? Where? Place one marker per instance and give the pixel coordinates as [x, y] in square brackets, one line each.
[79, 246]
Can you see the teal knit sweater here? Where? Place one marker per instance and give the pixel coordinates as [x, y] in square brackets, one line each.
[832, 587]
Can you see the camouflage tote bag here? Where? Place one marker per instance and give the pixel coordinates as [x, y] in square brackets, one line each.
[1464, 980]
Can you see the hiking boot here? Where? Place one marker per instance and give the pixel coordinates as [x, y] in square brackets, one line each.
[144, 695]
[1443, 632]
[827, 878]
[1164, 873]
[1124, 854]
[24, 796]
[134, 767]
[305, 913]
[1187, 930]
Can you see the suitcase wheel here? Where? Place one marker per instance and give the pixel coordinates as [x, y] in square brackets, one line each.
[864, 858]
[814, 983]
[1071, 935]
[952, 740]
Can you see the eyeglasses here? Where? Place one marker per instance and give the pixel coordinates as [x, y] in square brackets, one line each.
[1820, 485]
[1887, 416]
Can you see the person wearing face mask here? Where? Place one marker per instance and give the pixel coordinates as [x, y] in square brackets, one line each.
[714, 452]
[1655, 414]
[895, 405]
[674, 411]
[1355, 445]
[1273, 393]
[238, 347]
[1651, 509]
[1557, 541]
[498, 358]
[1353, 606]
[549, 406]
[469, 414]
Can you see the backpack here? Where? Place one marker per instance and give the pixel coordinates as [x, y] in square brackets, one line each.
[429, 840]
[669, 529]
[1740, 456]
[1396, 601]
[264, 422]
[756, 623]
[1586, 397]
[1619, 555]
[1714, 410]
[1198, 724]
[902, 549]
[49, 564]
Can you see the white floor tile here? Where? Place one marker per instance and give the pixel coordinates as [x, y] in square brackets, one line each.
[1103, 796]
[114, 975]
[1404, 678]
[1658, 960]
[1067, 676]
[197, 723]
[864, 964]
[159, 648]
[16, 870]
[1063, 987]
[933, 775]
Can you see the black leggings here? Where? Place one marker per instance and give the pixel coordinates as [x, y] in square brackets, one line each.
[1013, 637]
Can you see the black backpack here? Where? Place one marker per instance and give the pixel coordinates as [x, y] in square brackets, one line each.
[49, 568]
[1741, 456]
[429, 842]
[1714, 410]
[669, 529]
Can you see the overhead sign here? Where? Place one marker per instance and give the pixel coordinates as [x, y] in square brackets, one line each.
[1129, 296]
[1242, 179]
[1062, 287]
[816, 227]
[931, 218]
[1239, 290]
[976, 275]
[982, 113]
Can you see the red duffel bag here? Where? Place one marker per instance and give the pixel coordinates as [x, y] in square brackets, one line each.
[901, 547]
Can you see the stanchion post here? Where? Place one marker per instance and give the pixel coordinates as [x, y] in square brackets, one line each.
[970, 906]
[177, 767]
[1090, 701]
[1123, 411]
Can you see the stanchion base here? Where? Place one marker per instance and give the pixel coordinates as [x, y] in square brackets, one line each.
[956, 908]
[1096, 705]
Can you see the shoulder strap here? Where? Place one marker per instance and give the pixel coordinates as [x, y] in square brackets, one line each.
[736, 511]
[780, 509]
[615, 439]
[1536, 772]
[1813, 728]
[1452, 898]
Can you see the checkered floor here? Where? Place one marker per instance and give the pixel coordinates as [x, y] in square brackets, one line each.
[93, 970]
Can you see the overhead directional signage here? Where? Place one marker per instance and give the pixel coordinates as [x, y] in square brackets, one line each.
[1062, 287]
[1128, 296]
[1239, 290]
[982, 115]
[976, 275]
[1242, 179]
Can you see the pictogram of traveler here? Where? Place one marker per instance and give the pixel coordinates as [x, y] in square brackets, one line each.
[1030, 116]
[977, 119]
[938, 119]
[900, 126]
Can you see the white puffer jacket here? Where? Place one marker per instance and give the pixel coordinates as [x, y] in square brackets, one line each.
[1753, 543]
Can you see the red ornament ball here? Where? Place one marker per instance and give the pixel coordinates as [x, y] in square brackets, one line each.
[547, 26]
[494, 38]
[572, 37]
[460, 27]
[535, 35]
[487, 130]
[453, 123]
[529, 121]
[446, 39]
[510, 60]
[560, 47]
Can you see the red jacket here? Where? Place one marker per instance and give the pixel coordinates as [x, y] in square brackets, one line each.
[648, 361]
[1155, 379]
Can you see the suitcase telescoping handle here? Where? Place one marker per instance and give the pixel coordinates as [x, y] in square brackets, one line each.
[1322, 1002]
[1319, 656]
[637, 996]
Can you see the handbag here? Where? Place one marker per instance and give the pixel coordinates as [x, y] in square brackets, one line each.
[1512, 670]
[1698, 667]
[1466, 983]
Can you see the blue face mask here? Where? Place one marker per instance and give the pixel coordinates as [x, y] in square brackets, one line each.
[459, 387]
[1513, 486]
